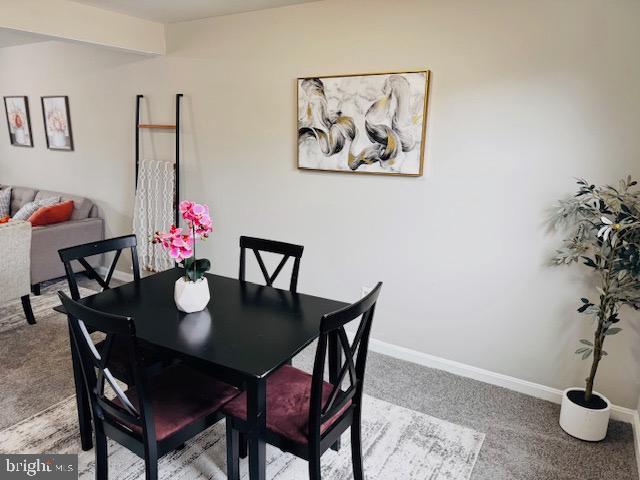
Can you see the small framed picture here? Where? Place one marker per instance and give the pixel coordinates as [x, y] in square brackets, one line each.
[18, 121]
[57, 123]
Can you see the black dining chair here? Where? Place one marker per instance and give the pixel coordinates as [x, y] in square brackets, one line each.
[287, 250]
[74, 257]
[305, 414]
[153, 415]
[80, 254]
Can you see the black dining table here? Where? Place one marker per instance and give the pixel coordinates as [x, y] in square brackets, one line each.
[246, 332]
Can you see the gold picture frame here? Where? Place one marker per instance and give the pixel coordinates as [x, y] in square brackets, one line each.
[340, 134]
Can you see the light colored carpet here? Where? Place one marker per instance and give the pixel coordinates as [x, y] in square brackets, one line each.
[398, 444]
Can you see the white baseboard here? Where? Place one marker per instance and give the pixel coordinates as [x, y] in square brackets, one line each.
[523, 386]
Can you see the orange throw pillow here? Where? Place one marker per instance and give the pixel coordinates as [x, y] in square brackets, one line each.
[60, 212]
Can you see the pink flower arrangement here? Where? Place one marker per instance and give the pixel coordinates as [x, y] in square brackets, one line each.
[181, 246]
[177, 244]
[56, 121]
[15, 119]
[197, 217]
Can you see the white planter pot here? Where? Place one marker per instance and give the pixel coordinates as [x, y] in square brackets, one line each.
[191, 296]
[582, 422]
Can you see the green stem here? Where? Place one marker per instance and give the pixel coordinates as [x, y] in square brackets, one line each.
[193, 231]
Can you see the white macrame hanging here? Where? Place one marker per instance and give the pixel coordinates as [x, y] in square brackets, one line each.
[153, 212]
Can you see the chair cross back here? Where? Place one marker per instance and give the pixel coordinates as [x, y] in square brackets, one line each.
[287, 250]
[80, 253]
[92, 360]
[354, 354]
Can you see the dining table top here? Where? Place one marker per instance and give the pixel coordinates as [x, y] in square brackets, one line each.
[246, 328]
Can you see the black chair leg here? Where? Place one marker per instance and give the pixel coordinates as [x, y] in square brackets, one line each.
[233, 451]
[35, 289]
[151, 462]
[28, 312]
[314, 467]
[243, 446]
[82, 403]
[102, 458]
[356, 448]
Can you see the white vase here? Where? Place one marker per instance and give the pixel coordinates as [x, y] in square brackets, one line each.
[581, 422]
[191, 296]
[58, 139]
[19, 136]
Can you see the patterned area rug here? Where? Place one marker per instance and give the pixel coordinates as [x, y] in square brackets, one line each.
[398, 444]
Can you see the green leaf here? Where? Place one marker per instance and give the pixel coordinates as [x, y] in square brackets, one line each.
[612, 331]
[203, 265]
[586, 354]
[196, 271]
[586, 342]
[582, 350]
[584, 307]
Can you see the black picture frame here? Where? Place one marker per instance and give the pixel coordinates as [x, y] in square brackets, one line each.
[67, 146]
[12, 137]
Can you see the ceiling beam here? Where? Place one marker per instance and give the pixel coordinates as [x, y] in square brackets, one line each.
[66, 20]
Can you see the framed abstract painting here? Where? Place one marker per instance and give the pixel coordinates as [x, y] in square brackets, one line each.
[371, 123]
[57, 123]
[18, 121]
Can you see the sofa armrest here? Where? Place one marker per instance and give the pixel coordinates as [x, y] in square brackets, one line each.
[47, 240]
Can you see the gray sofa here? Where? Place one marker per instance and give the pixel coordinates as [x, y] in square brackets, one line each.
[84, 226]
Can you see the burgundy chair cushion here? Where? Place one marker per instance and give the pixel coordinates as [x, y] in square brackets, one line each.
[179, 397]
[288, 400]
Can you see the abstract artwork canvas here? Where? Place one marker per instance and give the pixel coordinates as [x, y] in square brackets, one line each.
[57, 123]
[369, 123]
[18, 121]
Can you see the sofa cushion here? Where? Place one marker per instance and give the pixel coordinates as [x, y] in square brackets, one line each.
[5, 202]
[82, 206]
[60, 212]
[20, 196]
[30, 208]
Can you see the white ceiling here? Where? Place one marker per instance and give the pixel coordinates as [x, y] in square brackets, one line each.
[9, 38]
[181, 10]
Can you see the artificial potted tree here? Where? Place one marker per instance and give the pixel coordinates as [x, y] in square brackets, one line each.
[603, 223]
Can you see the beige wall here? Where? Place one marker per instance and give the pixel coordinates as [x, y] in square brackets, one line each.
[525, 96]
